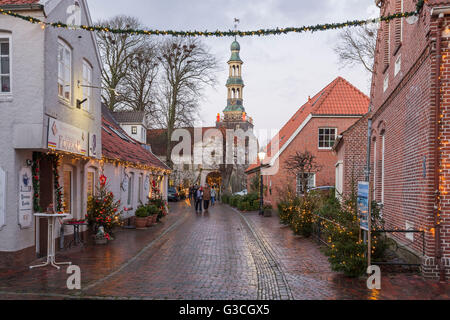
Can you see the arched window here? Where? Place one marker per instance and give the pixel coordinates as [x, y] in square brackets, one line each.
[238, 94]
[237, 71]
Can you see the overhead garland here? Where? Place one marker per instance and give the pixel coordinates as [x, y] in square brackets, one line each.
[230, 33]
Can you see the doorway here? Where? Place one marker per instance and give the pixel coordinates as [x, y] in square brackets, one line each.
[45, 199]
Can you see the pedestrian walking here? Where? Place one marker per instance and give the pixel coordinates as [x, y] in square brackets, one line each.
[199, 200]
[213, 196]
[206, 196]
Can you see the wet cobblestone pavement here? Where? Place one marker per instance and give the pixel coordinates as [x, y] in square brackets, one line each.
[222, 254]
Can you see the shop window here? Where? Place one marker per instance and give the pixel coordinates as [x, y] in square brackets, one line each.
[5, 67]
[67, 190]
[90, 184]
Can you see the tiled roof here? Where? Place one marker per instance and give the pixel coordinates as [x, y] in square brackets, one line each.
[4, 2]
[129, 116]
[116, 144]
[339, 98]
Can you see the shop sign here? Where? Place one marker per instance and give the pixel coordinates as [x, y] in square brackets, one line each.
[64, 137]
[363, 205]
[94, 146]
[25, 197]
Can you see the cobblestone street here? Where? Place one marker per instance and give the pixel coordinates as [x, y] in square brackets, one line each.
[221, 254]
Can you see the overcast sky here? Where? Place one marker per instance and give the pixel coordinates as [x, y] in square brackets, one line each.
[279, 72]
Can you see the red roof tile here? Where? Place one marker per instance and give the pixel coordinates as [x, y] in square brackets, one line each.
[338, 98]
[116, 144]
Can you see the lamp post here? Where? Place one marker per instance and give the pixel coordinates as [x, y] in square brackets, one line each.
[261, 157]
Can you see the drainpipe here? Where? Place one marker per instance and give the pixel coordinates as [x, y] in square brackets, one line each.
[437, 246]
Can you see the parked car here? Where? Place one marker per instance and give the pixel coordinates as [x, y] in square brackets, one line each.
[172, 194]
[241, 193]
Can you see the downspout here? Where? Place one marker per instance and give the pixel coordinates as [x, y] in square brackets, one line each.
[438, 249]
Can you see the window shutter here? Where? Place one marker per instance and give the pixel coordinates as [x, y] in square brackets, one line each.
[398, 23]
[387, 42]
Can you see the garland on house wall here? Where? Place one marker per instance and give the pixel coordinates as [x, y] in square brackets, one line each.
[229, 33]
[36, 173]
[54, 159]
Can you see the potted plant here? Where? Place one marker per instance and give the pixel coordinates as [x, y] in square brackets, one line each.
[141, 217]
[267, 208]
[152, 214]
[101, 237]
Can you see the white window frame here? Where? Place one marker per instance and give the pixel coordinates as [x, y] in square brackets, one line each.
[374, 170]
[87, 89]
[335, 135]
[67, 67]
[398, 65]
[130, 189]
[140, 187]
[299, 185]
[339, 178]
[6, 36]
[134, 130]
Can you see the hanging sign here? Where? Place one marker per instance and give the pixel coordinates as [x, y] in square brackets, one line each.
[363, 204]
[2, 198]
[64, 137]
[94, 145]
[25, 198]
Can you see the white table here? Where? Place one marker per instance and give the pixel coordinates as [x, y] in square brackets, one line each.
[51, 240]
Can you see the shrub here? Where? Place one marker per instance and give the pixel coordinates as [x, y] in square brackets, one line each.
[141, 212]
[244, 206]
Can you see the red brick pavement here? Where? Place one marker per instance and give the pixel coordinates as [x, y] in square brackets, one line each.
[222, 254]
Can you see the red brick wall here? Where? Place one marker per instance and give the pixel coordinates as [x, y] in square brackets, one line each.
[353, 152]
[308, 139]
[404, 114]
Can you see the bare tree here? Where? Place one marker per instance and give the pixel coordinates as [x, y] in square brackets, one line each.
[357, 46]
[140, 79]
[116, 51]
[301, 164]
[186, 69]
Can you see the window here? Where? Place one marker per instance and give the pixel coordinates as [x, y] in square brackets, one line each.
[67, 190]
[398, 24]
[374, 170]
[90, 183]
[5, 69]
[64, 70]
[134, 130]
[382, 166]
[398, 65]
[130, 188]
[311, 182]
[327, 136]
[386, 83]
[339, 179]
[87, 89]
[387, 42]
[140, 187]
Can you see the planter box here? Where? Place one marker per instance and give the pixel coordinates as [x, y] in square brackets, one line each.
[141, 223]
[149, 221]
[267, 213]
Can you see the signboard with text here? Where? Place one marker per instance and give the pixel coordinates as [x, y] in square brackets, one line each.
[25, 197]
[363, 204]
[64, 137]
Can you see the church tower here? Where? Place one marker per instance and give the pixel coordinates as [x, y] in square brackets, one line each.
[234, 115]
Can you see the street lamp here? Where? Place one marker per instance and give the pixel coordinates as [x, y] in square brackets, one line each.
[261, 157]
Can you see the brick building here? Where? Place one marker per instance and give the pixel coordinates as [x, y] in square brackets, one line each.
[314, 128]
[411, 129]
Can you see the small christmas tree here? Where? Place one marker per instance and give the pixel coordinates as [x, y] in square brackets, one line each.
[102, 209]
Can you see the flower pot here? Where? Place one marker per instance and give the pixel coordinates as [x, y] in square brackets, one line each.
[101, 241]
[267, 213]
[149, 221]
[141, 223]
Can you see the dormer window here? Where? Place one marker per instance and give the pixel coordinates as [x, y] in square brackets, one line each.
[133, 130]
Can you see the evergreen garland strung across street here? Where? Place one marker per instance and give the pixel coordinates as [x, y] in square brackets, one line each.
[229, 33]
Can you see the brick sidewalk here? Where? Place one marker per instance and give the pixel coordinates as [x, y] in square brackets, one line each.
[222, 254]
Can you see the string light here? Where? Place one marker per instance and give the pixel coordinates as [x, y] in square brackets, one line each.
[229, 33]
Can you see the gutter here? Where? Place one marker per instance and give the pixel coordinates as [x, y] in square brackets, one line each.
[22, 7]
[437, 158]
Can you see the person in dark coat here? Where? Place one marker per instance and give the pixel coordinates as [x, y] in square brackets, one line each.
[199, 200]
[206, 196]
